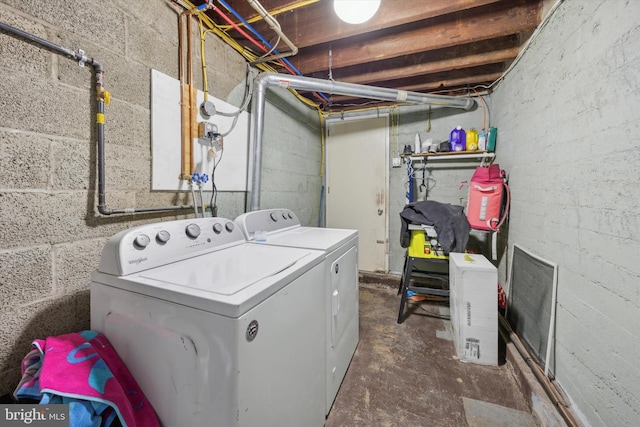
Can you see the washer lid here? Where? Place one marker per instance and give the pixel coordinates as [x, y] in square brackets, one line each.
[228, 271]
[326, 239]
[228, 282]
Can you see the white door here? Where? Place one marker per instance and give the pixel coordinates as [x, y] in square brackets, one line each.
[357, 185]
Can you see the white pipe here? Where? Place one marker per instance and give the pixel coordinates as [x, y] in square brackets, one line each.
[330, 87]
[275, 26]
[452, 156]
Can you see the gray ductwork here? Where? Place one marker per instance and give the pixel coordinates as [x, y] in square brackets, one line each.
[332, 88]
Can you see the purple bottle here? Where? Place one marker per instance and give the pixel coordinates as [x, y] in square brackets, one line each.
[458, 139]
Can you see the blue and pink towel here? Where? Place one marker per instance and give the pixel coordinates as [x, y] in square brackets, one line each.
[83, 370]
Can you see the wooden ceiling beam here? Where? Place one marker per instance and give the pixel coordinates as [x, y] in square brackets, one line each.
[318, 23]
[448, 83]
[469, 61]
[497, 23]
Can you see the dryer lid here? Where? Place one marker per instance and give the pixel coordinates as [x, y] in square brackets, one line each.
[326, 239]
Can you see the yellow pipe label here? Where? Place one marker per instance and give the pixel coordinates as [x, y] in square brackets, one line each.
[100, 118]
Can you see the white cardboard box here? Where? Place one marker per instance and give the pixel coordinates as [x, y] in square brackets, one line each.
[473, 301]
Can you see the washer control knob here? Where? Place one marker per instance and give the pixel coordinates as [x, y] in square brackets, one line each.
[192, 230]
[141, 241]
[217, 228]
[284, 216]
[229, 226]
[163, 237]
[274, 217]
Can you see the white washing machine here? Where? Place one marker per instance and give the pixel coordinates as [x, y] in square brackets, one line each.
[217, 331]
[281, 227]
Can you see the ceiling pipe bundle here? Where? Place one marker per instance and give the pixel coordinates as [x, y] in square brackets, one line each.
[273, 24]
[284, 61]
[331, 87]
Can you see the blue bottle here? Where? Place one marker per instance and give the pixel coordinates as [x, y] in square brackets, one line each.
[457, 139]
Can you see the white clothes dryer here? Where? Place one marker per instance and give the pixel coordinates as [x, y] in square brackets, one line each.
[281, 227]
[217, 331]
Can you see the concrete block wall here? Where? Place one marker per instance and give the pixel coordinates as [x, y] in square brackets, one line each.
[443, 176]
[291, 156]
[52, 235]
[569, 125]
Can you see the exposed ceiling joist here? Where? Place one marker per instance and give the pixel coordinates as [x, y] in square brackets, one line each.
[418, 45]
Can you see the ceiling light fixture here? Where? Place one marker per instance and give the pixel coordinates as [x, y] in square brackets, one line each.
[356, 11]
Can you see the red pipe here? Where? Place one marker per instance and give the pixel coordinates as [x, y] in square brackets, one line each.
[251, 39]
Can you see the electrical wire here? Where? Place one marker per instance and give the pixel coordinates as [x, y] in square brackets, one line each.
[240, 30]
[535, 34]
[322, 142]
[214, 189]
[283, 61]
[280, 10]
[205, 83]
[248, 93]
[247, 54]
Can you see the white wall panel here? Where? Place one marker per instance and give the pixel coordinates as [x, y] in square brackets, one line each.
[231, 173]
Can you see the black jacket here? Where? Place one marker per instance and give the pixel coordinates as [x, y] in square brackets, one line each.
[449, 221]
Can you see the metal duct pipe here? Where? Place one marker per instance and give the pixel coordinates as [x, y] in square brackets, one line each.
[333, 88]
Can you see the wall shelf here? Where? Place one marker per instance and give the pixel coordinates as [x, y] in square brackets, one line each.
[452, 155]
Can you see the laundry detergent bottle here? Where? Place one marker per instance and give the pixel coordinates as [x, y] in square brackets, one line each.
[472, 140]
[457, 139]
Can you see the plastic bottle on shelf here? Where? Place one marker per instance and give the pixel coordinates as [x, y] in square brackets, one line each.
[472, 140]
[457, 139]
[491, 139]
[482, 141]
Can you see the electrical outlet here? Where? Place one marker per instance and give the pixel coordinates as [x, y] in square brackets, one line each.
[396, 162]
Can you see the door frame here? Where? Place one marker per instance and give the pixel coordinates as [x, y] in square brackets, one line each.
[333, 118]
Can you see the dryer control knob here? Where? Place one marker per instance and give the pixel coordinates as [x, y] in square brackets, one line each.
[217, 228]
[192, 230]
[274, 217]
[290, 216]
[163, 237]
[229, 227]
[141, 241]
[284, 216]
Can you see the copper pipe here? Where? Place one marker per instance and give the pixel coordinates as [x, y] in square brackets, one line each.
[186, 152]
[193, 125]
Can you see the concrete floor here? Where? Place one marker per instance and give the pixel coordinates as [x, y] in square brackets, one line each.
[407, 374]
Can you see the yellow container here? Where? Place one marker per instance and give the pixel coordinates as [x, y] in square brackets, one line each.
[422, 246]
[472, 140]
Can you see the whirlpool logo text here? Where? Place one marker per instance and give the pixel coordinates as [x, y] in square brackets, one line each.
[137, 260]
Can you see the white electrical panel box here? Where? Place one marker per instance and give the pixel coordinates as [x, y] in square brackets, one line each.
[231, 172]
[473, 303]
